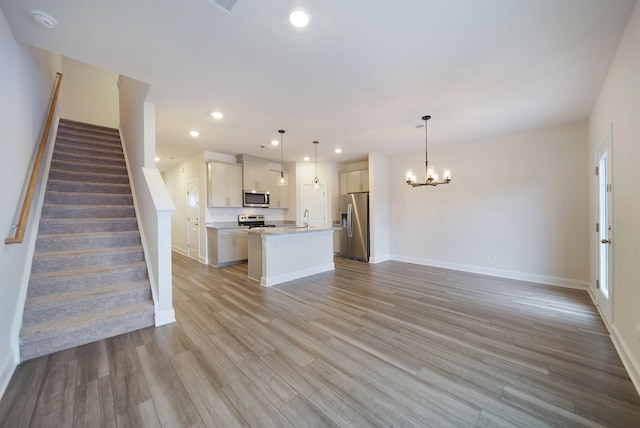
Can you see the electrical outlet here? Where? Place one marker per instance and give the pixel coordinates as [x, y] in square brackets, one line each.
[638, 332]
[493, 257]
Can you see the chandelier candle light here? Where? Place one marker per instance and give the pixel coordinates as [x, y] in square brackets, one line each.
[432, 178]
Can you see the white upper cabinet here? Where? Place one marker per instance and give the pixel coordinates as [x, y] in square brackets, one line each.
[279, 195]
[255, 175]
[224, 185]
[354, 181]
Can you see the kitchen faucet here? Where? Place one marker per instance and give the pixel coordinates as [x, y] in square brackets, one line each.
[306, 218]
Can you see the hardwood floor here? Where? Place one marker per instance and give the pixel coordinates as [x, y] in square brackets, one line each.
[392, 344]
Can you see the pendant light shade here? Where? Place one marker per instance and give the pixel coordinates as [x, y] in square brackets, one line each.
[316, 180]
[283, 179]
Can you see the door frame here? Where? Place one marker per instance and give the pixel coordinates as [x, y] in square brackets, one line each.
[605, 231]
[306, 187]
[197, 248]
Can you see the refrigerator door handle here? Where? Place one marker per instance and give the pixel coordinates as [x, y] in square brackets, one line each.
[350, 220]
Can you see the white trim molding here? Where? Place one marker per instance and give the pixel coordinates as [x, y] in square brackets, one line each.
[520, 276]
[632, 366]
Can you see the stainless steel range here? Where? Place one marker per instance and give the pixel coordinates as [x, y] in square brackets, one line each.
[253, 221]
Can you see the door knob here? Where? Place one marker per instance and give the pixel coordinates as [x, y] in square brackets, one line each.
[605, 241]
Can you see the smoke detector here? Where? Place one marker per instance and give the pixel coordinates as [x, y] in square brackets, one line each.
[43, 19]
[228, 6]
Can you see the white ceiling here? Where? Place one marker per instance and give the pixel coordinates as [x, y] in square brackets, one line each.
[359, 77]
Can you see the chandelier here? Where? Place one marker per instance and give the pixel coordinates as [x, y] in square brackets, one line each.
[432, 179]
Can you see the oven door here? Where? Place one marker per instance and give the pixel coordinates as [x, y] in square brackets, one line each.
[256, 199]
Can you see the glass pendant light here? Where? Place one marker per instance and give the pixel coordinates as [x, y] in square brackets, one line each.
[283, 180]
[316, 180]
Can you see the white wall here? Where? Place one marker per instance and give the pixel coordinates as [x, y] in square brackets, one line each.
[619, 103]
[328, 175]
[89, 94]
[517, 207]
[152, 200]
[26, 83]
[378, 166]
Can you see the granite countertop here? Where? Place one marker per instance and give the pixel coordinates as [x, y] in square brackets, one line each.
[288, 230]
[234, 225]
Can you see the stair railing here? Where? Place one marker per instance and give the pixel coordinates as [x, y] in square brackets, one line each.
[35, 171]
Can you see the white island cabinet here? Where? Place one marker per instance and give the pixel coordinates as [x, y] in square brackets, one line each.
[282, 254]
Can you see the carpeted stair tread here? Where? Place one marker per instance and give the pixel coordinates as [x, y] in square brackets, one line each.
[74, 124]
[75, 323]
[85, 271]
[55, 197]
[71, 253]
[87, 211]
[87, 277]
[79, 186]
[52, 336]
[64, 261]
[64, 147]
[83, 140]
[88, 158]
[75, 165]
[54, 226]
[74, 303]
[88, 176]
[86, 241]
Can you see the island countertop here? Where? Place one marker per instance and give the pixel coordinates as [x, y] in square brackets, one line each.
[285, 230]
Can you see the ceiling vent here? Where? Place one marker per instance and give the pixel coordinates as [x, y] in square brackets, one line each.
[229, 6]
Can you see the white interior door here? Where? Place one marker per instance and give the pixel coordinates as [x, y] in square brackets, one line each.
[193, 219]
[316, 202]
[604, 283]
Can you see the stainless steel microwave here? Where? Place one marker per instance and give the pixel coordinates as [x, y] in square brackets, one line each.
[255, 198]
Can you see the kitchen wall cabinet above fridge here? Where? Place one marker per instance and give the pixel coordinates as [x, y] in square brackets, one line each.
[255, 173]
[224, 185]
[354, 181]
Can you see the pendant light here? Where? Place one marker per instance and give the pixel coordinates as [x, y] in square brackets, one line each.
[316, 180]
[432, 178]
[282, 181]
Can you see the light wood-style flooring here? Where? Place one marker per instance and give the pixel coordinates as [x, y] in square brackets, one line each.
[392, 344]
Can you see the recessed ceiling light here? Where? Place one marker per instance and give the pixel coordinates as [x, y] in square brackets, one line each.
[194, 133]
[306, 158]
[157, 158]
[299, 18]
[43, 19]
[338, 151]
[217, 115]
[275, 142]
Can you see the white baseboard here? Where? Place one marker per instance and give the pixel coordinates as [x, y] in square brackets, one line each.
[296, 275]
[7, 367]
[630, 363]
[179, 250]
[165, 317]
[521, 276]
[380, 259]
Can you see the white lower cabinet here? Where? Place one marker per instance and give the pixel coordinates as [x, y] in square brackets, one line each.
[227, 246]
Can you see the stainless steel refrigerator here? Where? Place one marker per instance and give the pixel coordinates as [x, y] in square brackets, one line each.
[354, 236]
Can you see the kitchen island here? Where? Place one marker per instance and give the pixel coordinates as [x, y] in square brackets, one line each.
[282, 254]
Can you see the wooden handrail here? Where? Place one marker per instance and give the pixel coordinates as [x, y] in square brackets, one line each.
[35, 171]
